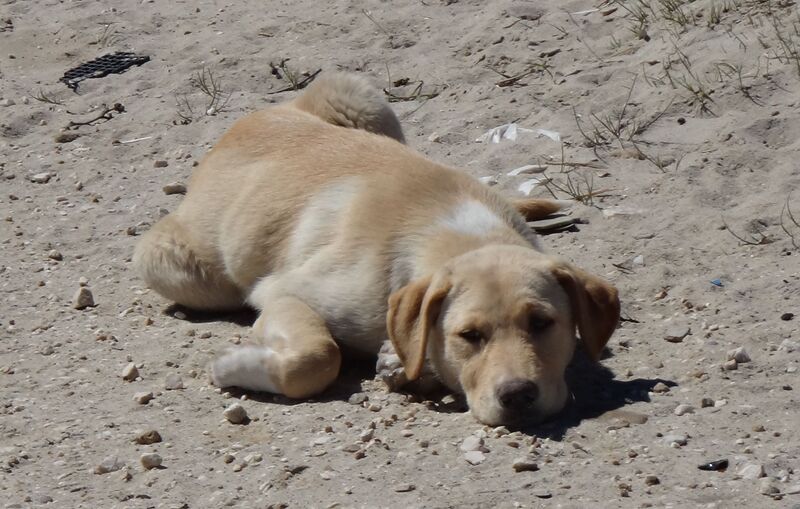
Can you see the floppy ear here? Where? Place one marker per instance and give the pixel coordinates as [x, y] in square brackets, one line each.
[595, 306]
[412, 311]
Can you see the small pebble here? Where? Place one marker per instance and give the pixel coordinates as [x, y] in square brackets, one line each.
[150, 460]
[55, 255]
[524, 465]
[110, 464]
[130, 372]
[471, 443]
[676, 333]
[752, 471]
[143, 398]
[404, 488]
[173, 382]
[228, 458]
[660, 387]
[41, 178]
[706, 402]
[652, 480]
[160, 164]
[787, 316]
[675, 439]
[66, 137]
[367, 435]
[235, 414]
[174, 188]
[739, 355]
[684, 409]
[148, 437]
[730, 365]
[474, 457]
[83, 298]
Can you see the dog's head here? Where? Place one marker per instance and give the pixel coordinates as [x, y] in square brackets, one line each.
[498, 324]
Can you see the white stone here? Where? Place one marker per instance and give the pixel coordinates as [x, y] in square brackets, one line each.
[150, 460]
[684, 409]
[474, 457]
[235, 414]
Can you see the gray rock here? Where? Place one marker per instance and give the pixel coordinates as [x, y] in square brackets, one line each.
[684, 409]
[235, 414]
[404, 488]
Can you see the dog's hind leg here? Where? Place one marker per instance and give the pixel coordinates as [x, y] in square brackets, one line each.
[296, 357]
[170, 265]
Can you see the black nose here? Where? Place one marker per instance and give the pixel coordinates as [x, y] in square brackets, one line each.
[520, 395]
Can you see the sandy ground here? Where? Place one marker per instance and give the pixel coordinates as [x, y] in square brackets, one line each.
[707, 137]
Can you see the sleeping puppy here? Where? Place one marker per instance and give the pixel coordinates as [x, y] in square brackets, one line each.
[316, 213]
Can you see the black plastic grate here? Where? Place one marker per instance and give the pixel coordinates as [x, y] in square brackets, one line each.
[113, 63]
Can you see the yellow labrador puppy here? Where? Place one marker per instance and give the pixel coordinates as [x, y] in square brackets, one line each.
[316, 213]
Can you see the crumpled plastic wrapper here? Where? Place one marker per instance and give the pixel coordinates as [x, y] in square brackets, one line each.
[389, 370]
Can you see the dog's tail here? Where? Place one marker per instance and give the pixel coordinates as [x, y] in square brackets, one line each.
[536, 208]
[348, 100]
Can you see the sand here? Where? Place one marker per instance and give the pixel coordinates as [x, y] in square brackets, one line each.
[678, 133]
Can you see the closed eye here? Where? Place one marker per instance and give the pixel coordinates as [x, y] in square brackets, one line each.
[539, 323]
[473, 336]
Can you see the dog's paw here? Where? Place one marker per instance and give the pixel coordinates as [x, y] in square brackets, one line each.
[245, 367]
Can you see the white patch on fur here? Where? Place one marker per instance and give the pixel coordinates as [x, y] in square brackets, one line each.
[472, 218]
[316, 226]
[246, 368]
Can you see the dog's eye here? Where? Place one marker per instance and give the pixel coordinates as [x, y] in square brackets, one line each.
[539, 323]
[471, 336]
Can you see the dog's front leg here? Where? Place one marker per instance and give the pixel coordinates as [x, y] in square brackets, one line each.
[295, 355]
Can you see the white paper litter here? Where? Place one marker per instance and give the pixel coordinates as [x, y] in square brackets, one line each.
[528, 186]
[512, 131]
[528, 168]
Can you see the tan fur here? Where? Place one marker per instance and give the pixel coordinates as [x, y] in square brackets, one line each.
[315, 213]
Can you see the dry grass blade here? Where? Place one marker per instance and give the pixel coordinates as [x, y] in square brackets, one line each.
[413, 96]
[763, 240]
[41, 96]
[786, 212]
